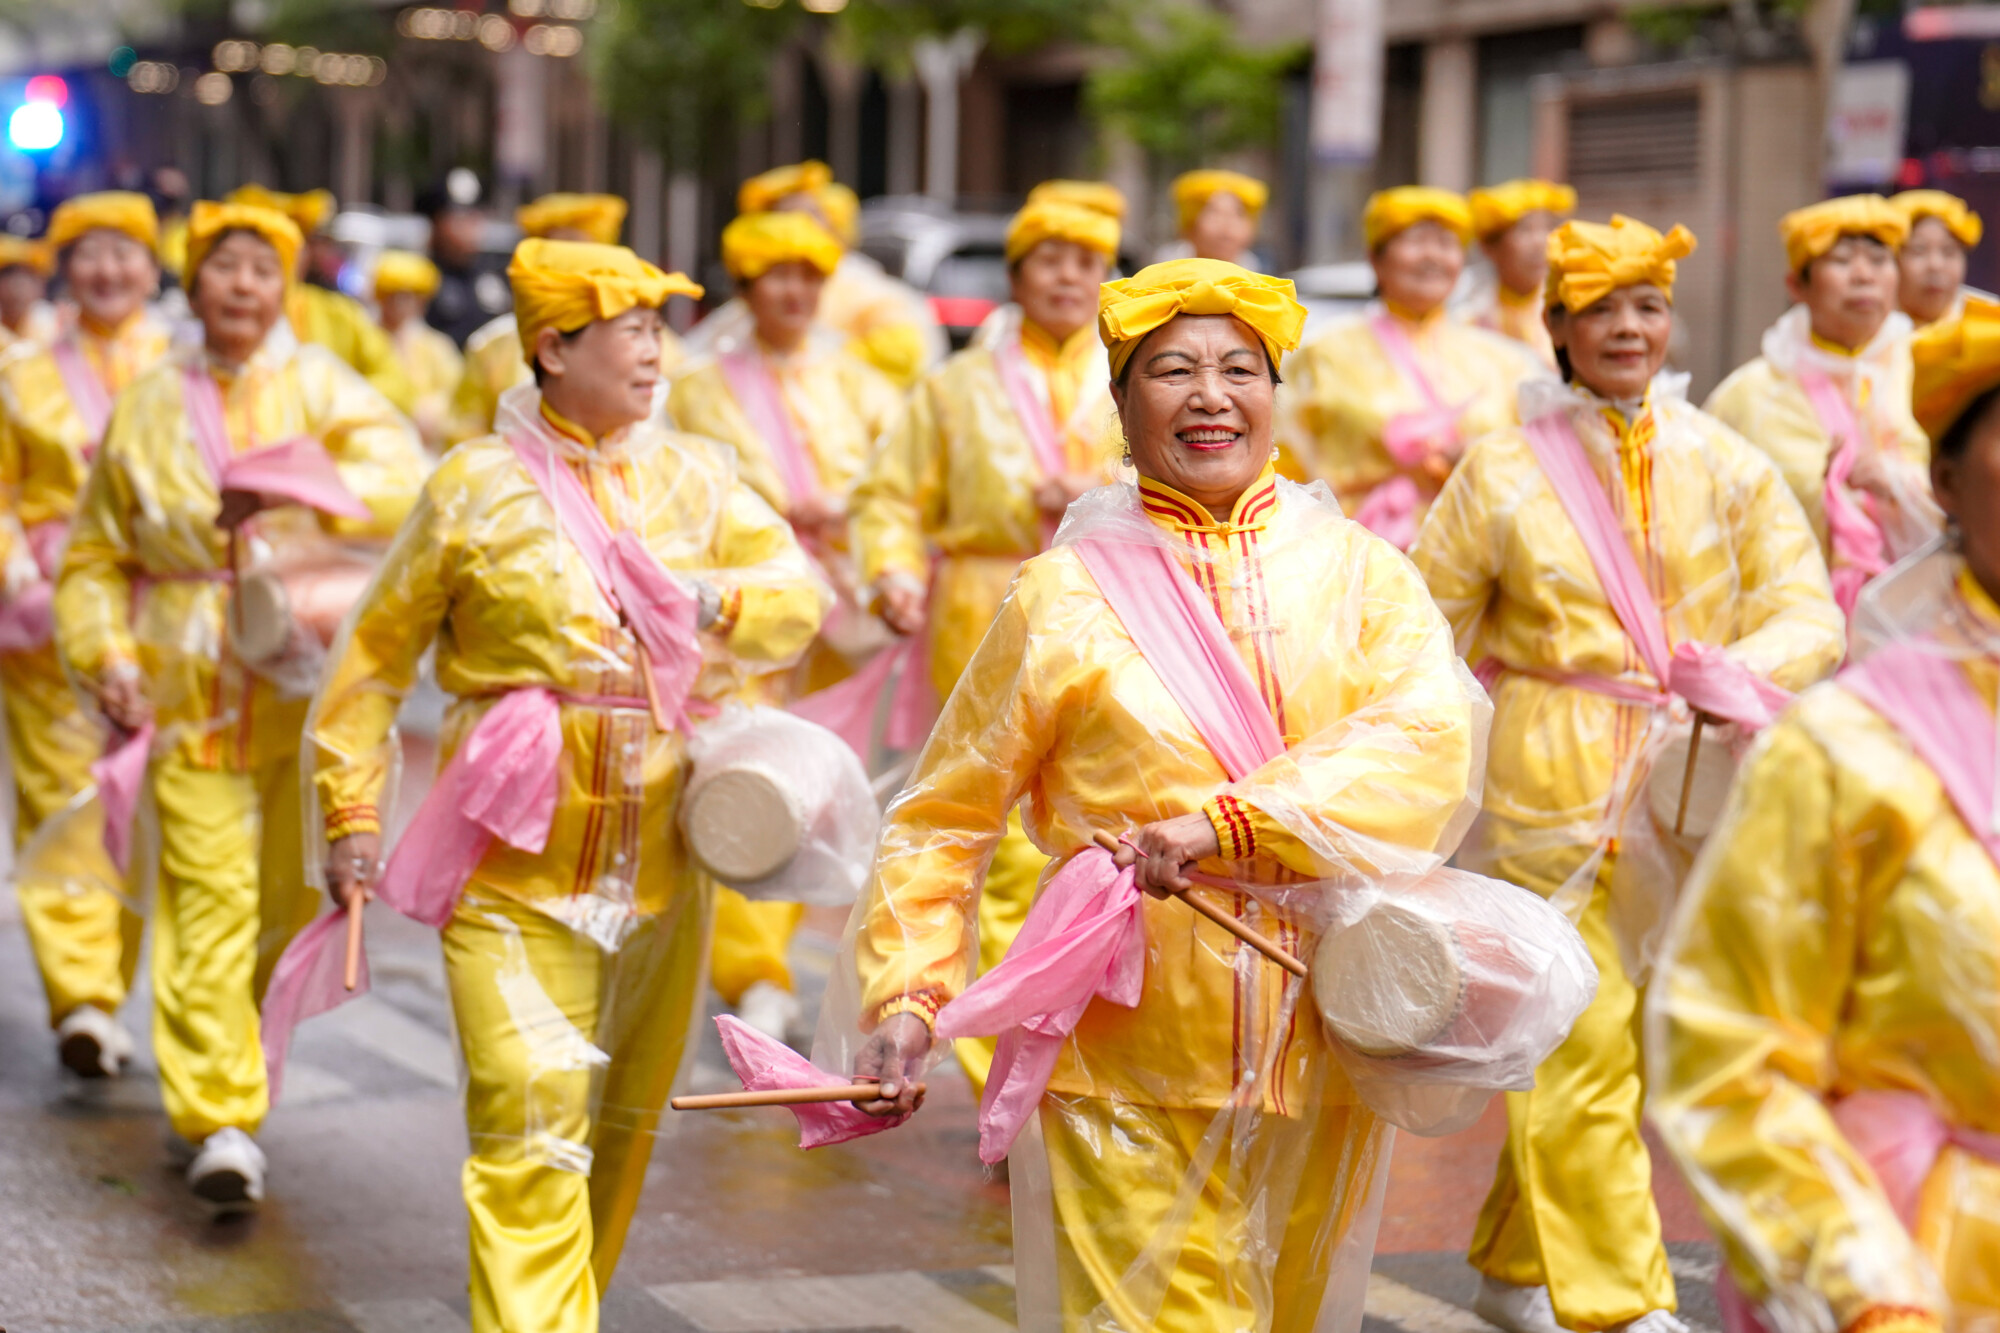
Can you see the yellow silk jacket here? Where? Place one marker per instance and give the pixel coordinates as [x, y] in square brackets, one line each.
[141, 583]
[495, 363]
[1730, 561]
[838, 406]
[1764, 402]
[956, 476]
[481, 567]
[1342, 388]
[882, 320]
[436, 366]
[1841, 934]
[344, 327]
[1058, 710]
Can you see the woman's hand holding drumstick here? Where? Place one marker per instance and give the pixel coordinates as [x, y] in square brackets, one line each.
[1162, 851]
[351, 863]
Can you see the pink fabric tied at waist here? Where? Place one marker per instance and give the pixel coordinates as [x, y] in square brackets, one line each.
[847, 709]
[119, 774]
[1719, 685]
[1390, 512]
[1900, 1136]
[1083, 940]
[1860, 549]
[766, 1064]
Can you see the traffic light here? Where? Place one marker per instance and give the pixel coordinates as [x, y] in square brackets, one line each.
[37, 125]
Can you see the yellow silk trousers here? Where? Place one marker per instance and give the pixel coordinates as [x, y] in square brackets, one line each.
[1004, 901]
[569, 1054]
[1116, 1171]
[1572, 1201]
[85, 939]
[751, 943]
[232, 894]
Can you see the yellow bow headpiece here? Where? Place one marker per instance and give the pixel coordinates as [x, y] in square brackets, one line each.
[1397, 210]
[20, 251]
[1051, 221]
[762, 192]
[597, 216]
[1811, 231]
[1498, 207]
[308, 211]
[565, 285]
[1957, 216]
[402, 271]
[1956, 361]
[1097, 196]
[755, 243]
[1588, 260]
[1193, 190]
[209, 222]
[110, 210]
[1133, 307]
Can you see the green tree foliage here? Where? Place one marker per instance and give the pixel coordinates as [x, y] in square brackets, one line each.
[1185, 87]
[676, 72]
[880, 31]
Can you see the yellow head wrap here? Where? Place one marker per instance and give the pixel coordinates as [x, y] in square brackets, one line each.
[1956, 361]
[1392, 211]
[1131, 308]
[402, 271]
[1498, 207]
[565, 285]
[309, 211]
[1050, 221]
[19, 250]
[110, 210]
[755, 243]
[843, 212]
[1097, 196]
[1957, 216]
[1193, 190]
[1588, 260]
[210, 221]
[598, 216]
[1811, 231]
[761, 193]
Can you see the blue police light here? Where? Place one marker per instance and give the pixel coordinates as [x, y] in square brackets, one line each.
[35, 127]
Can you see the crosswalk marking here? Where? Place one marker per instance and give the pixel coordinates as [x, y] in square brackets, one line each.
[411, 1316]
[795, 1305]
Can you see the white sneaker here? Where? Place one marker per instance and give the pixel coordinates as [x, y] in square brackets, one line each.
[1654, 1321]
[229, 1170]
[770, 1009]
[1518, 1309]
[93, 1044]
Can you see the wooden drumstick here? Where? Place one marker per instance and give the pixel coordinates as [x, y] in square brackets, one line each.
[1687, 774]
[723, 1101]
[653, 704]
[1225, 918]
[355, 902]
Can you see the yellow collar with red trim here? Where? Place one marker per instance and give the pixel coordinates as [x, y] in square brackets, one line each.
[1178, 513]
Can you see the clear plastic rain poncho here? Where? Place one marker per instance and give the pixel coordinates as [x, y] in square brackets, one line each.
[574, 947]
[1824, 1035]
[1201, 1158]
[1590, 747]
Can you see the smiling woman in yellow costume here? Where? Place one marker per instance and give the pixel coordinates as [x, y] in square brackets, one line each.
[1930, 265]
[334, 320]
[886, 322]
[494, 359]
[1513, 221]
[572, 969]
[1824, 1038]
[54, 404]
[139, 614]
[971, 481]
[1836, 369]
[1199, 1164]
[802, 415]
[1383, 404]
[404, 284]
[1570, 1235]
[1218, 212]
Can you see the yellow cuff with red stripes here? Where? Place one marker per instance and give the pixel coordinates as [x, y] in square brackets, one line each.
[1234, 832]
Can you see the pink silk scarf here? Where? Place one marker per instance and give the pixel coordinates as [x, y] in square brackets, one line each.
[1860, 550]
[1084, 938]
[1411, 439]
[766, 1064]
[87, 394]
[299, 469]
[756, 391]
[1037, 418]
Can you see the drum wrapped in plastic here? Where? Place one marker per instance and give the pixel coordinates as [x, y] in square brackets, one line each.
[283, 616]
[1439, 993]
[778, 808]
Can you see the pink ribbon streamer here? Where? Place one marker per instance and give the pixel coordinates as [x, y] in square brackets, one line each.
[87, 394]
[757, 393]
[1085, 937]
[847, 709]
[119, 774]
[766, 1065]
[1860, 549]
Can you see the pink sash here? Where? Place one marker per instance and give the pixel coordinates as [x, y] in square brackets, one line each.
[756, 392]
[298, 469]
[1703, 674]
[1037, 418]
[1926, 696]
[87, 394]
[847, 709]
[766, 1064]
[1411, 439]
[1860, 551]
[1084, 939]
